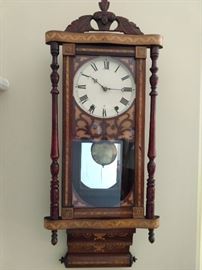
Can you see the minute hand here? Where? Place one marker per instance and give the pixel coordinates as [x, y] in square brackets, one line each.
[124, 89]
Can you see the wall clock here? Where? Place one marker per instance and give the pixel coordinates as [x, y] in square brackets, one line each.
[103, 139]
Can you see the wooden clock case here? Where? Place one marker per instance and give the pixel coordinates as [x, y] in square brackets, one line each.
[101, 236]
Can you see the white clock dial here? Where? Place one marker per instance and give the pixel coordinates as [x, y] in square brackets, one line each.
[104, 87]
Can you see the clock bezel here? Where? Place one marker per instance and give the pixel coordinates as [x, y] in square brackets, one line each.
[127, 66]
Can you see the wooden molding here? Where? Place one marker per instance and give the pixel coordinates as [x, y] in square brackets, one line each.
[107, 50]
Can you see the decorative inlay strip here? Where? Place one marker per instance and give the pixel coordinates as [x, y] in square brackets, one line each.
[100, 224]
[66, 37]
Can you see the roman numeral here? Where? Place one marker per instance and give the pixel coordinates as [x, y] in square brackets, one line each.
[116, 108]
[92, 108]
[83, 99]
[84, 75]
[106, 64]
[127, 89]
[124, 101]
[93, 65]
[81, 86]
[125, 77]
[104, 113]
[117, 68]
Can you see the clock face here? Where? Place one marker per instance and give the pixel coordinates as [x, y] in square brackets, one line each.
[104, 87]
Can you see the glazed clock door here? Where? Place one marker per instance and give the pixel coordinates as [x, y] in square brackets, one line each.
[100, 131]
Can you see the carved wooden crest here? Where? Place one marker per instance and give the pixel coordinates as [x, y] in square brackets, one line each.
[104, 20]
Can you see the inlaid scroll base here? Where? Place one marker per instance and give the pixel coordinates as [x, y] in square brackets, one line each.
[103, 248]
[100, 242]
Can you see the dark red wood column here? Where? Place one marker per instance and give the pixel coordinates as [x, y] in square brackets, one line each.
[151, 166]
[54, 168]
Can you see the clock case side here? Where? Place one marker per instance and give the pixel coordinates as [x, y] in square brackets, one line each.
[139, 53]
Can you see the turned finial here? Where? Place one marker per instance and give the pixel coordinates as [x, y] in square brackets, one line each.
[104, 5]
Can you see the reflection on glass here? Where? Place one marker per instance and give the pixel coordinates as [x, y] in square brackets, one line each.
[102, 172]
[95, 175]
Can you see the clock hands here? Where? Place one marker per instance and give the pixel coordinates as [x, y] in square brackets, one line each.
[124, 89]
[108, 88]
[96, 81]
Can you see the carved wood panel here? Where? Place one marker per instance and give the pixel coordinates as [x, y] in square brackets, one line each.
[86, 127]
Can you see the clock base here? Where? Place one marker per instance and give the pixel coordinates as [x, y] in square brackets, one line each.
[89, 245]
[99, 248]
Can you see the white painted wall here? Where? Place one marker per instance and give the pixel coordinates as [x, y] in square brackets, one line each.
[25, 130]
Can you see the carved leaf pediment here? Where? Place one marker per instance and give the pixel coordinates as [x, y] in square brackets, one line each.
[104, 20]
[81, 25]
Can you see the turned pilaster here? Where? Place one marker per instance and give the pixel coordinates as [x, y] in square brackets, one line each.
[54, 168]
[151, 166]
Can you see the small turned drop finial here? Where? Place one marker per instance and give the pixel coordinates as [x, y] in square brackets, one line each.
[62, 260]
[54, 238]
[151, 236]
[104, 5]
